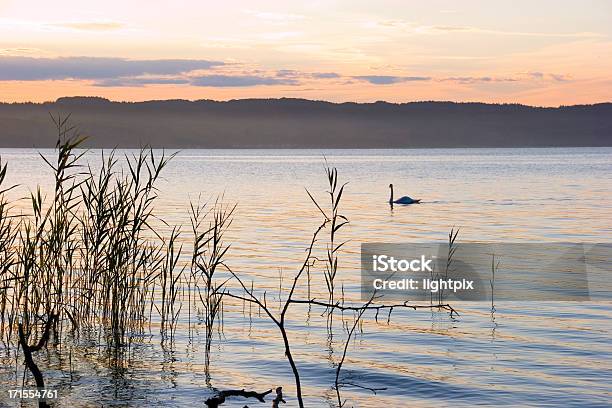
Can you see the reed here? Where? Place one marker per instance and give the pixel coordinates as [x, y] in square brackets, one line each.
[88, 257]
[208, 226]
[336, 222]
[452, 248]
[8, 236]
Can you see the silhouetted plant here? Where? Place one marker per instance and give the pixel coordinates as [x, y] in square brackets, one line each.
[280, 319]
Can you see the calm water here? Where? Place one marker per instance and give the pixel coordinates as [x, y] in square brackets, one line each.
[539, 354]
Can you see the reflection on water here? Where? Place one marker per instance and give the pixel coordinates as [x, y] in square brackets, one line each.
[543, 353]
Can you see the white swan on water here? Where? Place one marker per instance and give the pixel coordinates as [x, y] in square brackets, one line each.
[402, 200]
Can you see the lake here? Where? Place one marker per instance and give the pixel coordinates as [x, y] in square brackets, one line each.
[533, 353]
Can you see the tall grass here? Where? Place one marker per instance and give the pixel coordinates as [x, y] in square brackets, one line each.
[336, 222]
[208, 257]
[87, 256]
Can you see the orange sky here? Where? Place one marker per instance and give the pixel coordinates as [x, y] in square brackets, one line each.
[539, 53]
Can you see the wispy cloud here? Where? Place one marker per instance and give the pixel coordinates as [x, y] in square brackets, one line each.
[90, 25]
[451, 29]
[476, 79]
[275, 17]
[519, 77]
[548, 76]
[287, 73]
[536, 75]
[465, 80]
[279, 35]
[54, 26]
[417, 28]
[389, 79]
[222, 81]
[16, 68]
[140, 81]
[477, 30]
[19, 51]
[213, 81]
[560, 78]
[291, 73]
[325, 75]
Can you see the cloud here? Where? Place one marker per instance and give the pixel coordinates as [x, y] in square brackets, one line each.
[221, 81]
[275, 17]
[548, 76]
[19, 51]
[390, 23]
[445, 29]
[529, 76]
[138, 82]
[291, 73]
[325, 75]
[559, 77]
[581, 34]
[89, 25]
[388, 79]
[14, 68]
[280, 35]
[120, 72]
[452, 28]
[470, 79]
[287, 73]
[416, 28]
[520, 77]
[216, 81]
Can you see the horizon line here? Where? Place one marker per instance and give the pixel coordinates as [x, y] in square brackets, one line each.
[468, 102]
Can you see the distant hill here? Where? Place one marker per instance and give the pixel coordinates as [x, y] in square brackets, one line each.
[299, 123]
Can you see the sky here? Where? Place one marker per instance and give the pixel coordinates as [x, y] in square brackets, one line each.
[536, 52]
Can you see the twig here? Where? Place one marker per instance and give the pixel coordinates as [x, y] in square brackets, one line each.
[346, 344]
[363, 387]
[280, 320]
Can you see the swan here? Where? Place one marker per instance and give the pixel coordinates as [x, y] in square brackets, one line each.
[403, 200]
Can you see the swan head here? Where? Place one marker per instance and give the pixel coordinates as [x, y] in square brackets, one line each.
[390, 185]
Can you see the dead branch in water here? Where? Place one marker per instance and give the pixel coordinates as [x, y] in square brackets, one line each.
[279, 398]
[27, 352]
[214, 402]
[377, 308]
